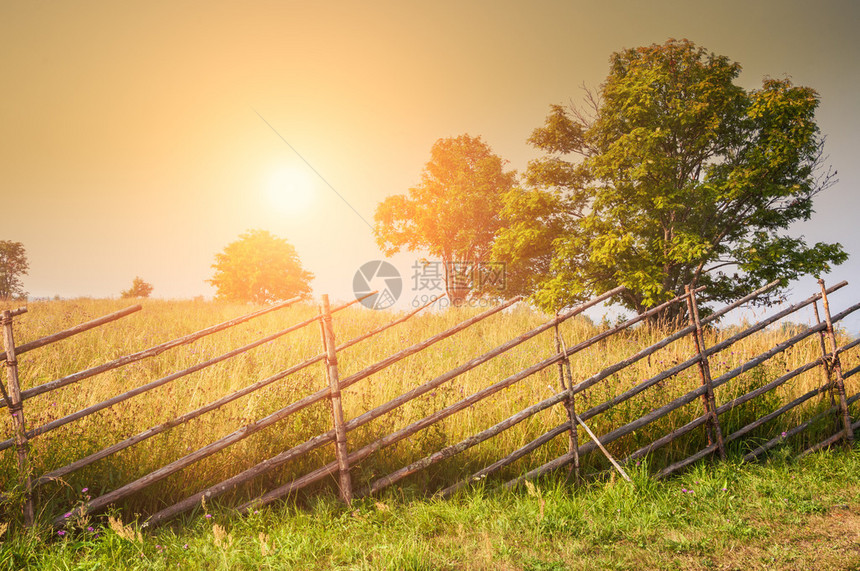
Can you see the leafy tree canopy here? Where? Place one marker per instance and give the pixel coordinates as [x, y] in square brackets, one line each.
[139, 288]
[261, 268]
[453, 212]
[670, 174]
[13, 265]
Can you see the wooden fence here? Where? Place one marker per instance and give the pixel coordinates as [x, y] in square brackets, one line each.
[346, 460]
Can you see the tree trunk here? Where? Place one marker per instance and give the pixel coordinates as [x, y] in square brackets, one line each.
[458, 281]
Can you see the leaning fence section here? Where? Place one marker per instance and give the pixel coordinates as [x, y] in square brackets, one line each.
[709, 415]
[577, 397]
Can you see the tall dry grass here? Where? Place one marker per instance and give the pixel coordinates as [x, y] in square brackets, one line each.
[161, 321]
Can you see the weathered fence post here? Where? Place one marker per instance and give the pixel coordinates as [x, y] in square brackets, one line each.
[565, 373]
[715, 434]
[827, 364]
[836, 367]
[16, 407]
[334, 399]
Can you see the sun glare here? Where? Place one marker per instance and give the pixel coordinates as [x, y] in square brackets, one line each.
[290, 190]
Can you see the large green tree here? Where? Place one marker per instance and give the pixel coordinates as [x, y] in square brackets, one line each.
[261, 268]
[670, 174]
[13, 265]
[453, 213]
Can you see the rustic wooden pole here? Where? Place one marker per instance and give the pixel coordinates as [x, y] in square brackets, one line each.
[565, 379]
[715, 434]
[836, 367]
[709, 425]
[603, 449]
[420, 346]
[469, 442]
[335, 401]
[16, 407]
[836, 437]
[388, 325]
[686, 461]
[826, 369]
[29, 346]
[290, 487]
[151, 352]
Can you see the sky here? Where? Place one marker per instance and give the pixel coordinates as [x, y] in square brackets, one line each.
[139, 139]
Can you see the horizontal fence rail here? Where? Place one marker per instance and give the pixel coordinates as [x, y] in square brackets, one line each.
[710, 418]
[151, 352]
[21, 349]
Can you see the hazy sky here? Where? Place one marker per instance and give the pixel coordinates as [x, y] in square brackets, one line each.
[132, 145]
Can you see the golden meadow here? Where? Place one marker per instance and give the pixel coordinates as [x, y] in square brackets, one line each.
[161, 321]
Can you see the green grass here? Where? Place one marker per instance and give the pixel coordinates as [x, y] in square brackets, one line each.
[165, 320]
[782, 514]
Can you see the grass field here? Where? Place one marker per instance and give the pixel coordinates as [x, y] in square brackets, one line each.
[161, 321]
[782, 514]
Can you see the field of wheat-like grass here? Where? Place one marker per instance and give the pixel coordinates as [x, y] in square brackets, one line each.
[161, 321]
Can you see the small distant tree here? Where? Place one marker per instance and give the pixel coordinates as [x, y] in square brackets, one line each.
[13, 265]
[261, 268]
[139, 288]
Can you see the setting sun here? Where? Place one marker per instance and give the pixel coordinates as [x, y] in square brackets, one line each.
[290, 190]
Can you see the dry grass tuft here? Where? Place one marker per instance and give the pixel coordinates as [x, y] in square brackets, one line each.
[124, 531]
